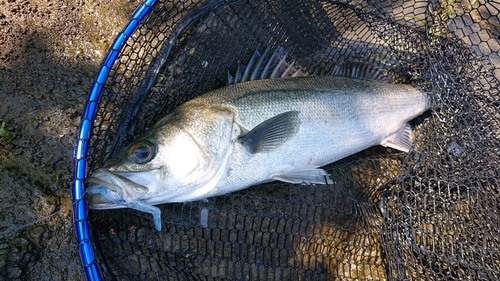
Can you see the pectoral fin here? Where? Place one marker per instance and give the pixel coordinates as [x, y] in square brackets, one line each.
[307, 175]
[401, 140]
[272, 132]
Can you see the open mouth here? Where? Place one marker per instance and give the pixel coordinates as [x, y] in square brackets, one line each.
[109, 190]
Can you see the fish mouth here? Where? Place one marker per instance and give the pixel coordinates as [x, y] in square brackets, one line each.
[109, 190]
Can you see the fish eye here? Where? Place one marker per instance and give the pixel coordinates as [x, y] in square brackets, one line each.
[141, 152]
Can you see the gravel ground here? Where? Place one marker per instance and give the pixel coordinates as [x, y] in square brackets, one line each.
[50, 52]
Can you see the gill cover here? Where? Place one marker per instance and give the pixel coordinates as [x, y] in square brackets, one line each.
[195, 165]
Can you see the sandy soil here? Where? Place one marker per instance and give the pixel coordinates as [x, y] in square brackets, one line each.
[50, 52]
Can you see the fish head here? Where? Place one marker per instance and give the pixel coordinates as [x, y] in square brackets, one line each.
[180, 159]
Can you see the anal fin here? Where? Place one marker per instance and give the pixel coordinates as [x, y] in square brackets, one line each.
[401, 140]
[307, 174]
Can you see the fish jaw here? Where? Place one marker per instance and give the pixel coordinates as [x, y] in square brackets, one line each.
[109, 190]
[112, 191]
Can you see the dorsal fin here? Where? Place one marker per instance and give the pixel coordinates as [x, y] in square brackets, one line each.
[263, 66]
[360, 70]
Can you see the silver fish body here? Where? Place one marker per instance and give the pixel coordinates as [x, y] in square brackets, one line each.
[254, 132]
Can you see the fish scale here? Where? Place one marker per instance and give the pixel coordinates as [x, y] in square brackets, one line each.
[338, 117]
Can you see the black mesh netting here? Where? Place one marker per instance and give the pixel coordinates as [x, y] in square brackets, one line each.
[431, 214]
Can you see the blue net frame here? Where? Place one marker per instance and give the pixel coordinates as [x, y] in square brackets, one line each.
[82, 228]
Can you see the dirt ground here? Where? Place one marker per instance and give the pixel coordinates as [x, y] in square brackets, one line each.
[50, 52]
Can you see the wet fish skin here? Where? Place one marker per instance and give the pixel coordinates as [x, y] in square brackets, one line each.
[338, 117]
[254, 132]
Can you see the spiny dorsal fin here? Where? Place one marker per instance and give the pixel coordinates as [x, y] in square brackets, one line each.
[263, 66]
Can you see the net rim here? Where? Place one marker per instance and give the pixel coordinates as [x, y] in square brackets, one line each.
[79, 203]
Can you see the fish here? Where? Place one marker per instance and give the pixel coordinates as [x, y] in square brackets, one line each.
[256, 130]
